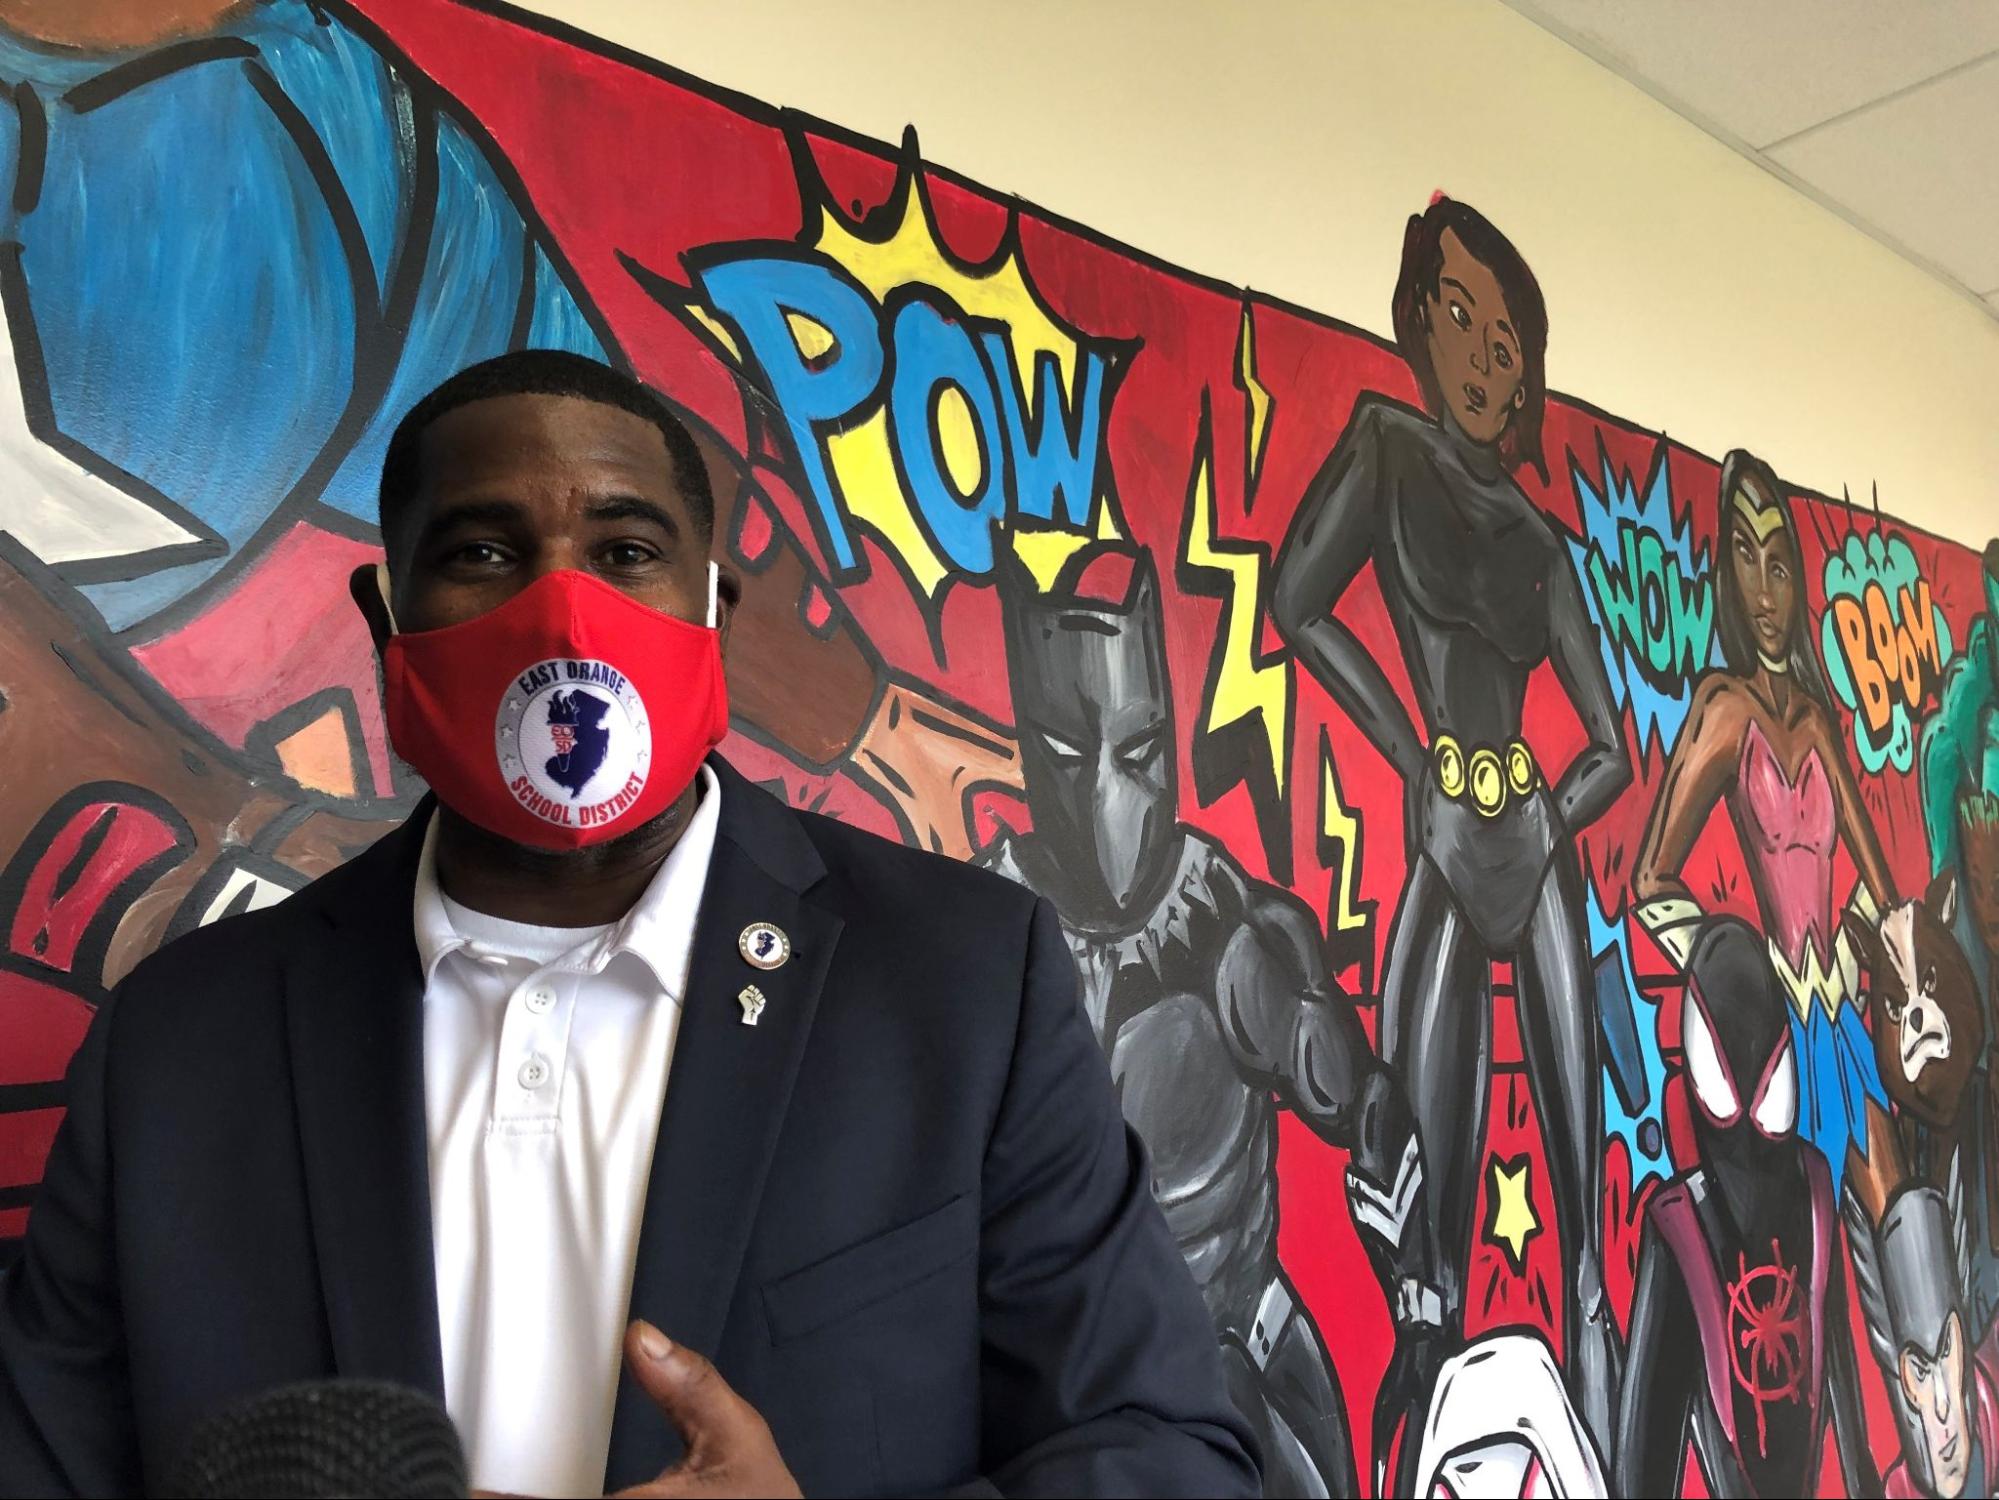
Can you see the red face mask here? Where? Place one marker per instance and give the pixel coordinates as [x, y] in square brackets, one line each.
[567, 716]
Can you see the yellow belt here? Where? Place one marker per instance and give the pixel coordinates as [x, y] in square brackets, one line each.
[1488, 778]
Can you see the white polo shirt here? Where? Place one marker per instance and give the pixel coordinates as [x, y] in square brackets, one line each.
[546, 1052]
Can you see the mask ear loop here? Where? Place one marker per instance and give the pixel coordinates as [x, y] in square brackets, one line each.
[382, 587]
[714, 583]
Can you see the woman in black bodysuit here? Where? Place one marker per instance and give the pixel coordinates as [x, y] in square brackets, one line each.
[1481, 592]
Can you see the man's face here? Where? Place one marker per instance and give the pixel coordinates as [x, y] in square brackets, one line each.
[517, 487]
[1933, 1382]
[1474, 349]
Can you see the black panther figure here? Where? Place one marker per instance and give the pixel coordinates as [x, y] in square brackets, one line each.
[1209, 990]
[1480, 593]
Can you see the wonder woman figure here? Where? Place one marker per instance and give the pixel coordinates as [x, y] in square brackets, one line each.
[1761, 738]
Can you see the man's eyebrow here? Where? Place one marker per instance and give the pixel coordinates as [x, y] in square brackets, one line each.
[633, 508]
[473, 513]
[1453, 281]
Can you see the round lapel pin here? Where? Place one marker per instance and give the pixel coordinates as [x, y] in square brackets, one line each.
[764, 945]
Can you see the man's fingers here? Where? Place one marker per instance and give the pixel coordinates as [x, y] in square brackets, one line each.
[696, 1399]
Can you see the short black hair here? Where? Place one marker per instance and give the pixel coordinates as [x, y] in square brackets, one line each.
[544, 372]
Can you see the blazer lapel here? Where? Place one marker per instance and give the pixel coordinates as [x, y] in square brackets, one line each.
[354, 1012]
[725, 1098]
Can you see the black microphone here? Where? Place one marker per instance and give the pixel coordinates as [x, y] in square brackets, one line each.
[322, 1438]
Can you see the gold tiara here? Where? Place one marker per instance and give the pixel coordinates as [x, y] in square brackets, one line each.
[1763, 520]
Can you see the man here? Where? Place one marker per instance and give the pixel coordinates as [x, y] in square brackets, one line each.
[843, 1149]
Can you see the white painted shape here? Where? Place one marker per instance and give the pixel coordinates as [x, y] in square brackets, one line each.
[1503, 1391]
[55, 507]
[263, 893]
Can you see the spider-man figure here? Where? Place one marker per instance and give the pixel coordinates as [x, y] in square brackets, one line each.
[1739, 1332]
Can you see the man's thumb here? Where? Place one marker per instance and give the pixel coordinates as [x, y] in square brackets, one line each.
[695, 1398]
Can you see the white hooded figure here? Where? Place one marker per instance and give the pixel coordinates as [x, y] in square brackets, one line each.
[1501, 1425]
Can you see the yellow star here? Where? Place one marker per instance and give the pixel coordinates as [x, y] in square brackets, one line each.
[1512, 1223]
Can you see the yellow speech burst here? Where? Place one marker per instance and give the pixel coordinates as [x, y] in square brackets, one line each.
[862, 458]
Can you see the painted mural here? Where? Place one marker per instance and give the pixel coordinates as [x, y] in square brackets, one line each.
[1536, 885]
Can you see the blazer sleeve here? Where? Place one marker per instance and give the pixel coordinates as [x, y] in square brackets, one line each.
[1100, 1369]
[66, 1424]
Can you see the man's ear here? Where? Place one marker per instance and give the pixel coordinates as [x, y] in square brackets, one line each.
[728, 594]
[364, 586]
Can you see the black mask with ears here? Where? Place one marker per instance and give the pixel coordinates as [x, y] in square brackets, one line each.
[1094, 715]
[1735, 1033]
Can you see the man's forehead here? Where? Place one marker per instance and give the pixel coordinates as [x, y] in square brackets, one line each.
[519, 436]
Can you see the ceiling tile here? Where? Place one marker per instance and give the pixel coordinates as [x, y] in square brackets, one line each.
[1922, 168]
[1764, 71]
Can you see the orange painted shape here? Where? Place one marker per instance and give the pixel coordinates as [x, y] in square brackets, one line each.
[318, 756]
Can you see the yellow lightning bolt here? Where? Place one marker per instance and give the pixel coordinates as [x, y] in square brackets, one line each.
[1257, 395]
[1242, 687]
[1338, 822]
[1513, 1222]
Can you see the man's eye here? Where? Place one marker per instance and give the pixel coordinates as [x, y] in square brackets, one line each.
[1502, 356]
[478, 555]
[629, 554]
[1459, 316]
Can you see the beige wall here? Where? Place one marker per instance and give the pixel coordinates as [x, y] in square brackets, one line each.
[1281, 144]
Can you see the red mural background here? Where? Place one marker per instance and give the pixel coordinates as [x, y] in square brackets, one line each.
[641, 177]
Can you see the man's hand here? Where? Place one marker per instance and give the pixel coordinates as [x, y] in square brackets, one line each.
[729, 1448]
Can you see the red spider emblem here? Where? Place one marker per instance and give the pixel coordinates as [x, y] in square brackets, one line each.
[1766, 1334]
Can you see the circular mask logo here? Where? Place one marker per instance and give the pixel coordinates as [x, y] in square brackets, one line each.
[573, 741]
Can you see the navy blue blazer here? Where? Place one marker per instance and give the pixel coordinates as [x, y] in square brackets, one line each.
[901, 1213]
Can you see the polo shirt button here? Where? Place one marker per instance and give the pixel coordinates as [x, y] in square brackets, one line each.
[539, 1001]
[534, 1072]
